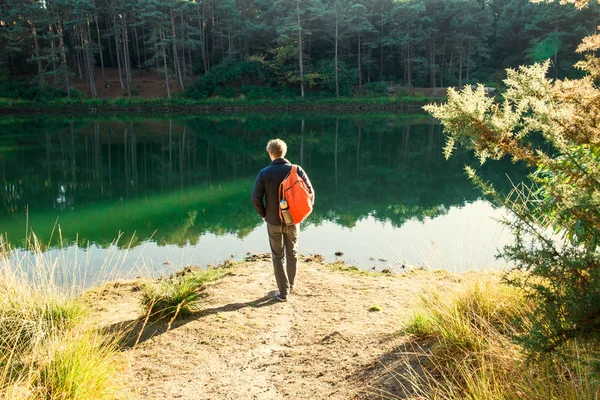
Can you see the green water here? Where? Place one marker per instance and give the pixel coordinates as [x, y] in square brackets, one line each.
[175, 191]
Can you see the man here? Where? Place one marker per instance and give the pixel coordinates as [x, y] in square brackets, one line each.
[282, 237]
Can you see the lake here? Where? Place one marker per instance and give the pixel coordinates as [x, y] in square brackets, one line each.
[149, 195]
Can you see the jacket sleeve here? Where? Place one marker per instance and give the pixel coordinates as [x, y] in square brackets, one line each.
[258, 194]
[302, 174]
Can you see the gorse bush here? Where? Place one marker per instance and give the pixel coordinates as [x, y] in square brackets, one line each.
[557, 216]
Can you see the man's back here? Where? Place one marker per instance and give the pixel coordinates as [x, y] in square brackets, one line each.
[266, 187]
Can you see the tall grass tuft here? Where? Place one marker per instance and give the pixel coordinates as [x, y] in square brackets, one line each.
[471, 352]
[178, 296]
[49, 348]
[80, 366]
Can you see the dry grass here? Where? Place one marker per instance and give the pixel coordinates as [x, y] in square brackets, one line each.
[48, 346]
[471, 352]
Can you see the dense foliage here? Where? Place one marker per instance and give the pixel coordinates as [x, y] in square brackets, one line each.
[557, 224]
[329, 47]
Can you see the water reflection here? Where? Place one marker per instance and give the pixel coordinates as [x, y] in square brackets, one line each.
[173, 181]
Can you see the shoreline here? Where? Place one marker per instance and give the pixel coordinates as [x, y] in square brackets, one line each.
[175, 106]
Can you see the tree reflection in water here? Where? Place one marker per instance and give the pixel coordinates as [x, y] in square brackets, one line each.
[175, 179]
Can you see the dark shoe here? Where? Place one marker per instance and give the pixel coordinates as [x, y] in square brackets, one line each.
[278, 297]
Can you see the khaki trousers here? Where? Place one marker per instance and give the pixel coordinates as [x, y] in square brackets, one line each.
[283, 240]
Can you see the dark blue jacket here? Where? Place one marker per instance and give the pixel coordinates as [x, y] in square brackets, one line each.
[265, 194]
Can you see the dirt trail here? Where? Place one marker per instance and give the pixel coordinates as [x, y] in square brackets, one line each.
[324, 343]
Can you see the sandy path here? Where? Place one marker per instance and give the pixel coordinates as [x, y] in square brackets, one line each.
[322, 344]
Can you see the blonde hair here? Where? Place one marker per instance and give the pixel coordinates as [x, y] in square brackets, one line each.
[277, 147]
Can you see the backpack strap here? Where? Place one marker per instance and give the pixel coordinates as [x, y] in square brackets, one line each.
[293, 171]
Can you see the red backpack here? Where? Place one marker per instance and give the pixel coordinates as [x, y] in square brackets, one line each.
[300, 199]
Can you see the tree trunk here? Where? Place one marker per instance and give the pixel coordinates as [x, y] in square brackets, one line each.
[469, 59]
[126, 55]
[111, 53]
[369, 65]
[144, 46]
[138, 63]
[53, 49]
[335, 154]
[100, 51]
[90, 59]
[408, 62]
[302, 143]
[78, 46]
[451, 66]
[460, 69]
[443, 64]
[359, 71]
[381, 75]
[358, 150]
[201, 28]
[37, 56]
[175, 56]
[183, 50]
[300, 62]
[337, 38]
[409, 66]
[162, 38]
[432, 60]
[118, 51]
[229, 43]
[63, 53]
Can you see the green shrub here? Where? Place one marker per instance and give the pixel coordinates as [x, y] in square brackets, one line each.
[178, 296]
[254, 92]
[226, 92]
[22, 90]
[227, 78]
[324, 78]
[375, 88]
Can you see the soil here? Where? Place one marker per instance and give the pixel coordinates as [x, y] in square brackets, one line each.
[336, 338]
[145, 84]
